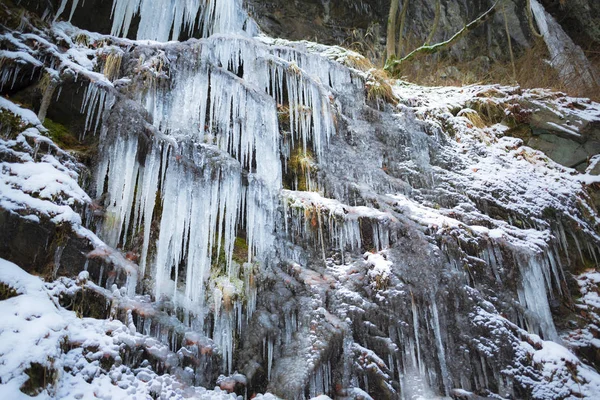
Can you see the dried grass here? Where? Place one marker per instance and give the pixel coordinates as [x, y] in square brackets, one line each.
[112, 65]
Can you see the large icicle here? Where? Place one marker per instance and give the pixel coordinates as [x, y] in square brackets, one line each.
[196, 205]
[535, 284]
[63, 6]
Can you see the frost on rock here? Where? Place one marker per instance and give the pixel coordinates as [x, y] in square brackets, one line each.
[50, 352]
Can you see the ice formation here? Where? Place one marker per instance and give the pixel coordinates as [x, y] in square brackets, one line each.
[325, 241]
[176, 17]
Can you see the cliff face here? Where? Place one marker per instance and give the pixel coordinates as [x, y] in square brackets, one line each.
[266, 215]
[507, 48]
[342, 21]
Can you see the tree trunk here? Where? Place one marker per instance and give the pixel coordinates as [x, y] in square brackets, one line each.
[436, 21]
[402, 24]
[391, 30]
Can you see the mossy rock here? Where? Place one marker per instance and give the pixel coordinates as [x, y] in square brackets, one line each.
[12, 16]
[64, 138]
[520, 131]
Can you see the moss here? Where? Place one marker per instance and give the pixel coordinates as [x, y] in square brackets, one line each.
[491, 112]
[63, 137]
[240, 250]
[12, 16]
[7, 291]
[379, 88]
[112, 65]
[473, 117]
[82, 39]
[283, 116]
[40, 377]
[300, 167]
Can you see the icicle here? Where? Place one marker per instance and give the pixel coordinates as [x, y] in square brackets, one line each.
[415, 316]
[95, 101]
[578, 246]
[57, 257]
[269, 357]
[130, 324]
[173, 17]
[440, 347]
[532, 295]
[224, 330]
[555, 270]
[562, 239]
[122, 178]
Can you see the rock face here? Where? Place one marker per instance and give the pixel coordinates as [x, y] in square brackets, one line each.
[278, 213]
[348, 21]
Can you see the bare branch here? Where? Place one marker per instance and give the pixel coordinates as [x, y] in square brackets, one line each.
[426, 49]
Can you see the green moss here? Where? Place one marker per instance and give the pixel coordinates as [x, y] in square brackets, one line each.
[12, 16]
[300, 165]
[63, 137]
[240, 250]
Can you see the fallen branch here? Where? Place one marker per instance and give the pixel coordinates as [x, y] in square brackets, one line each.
[426, 49]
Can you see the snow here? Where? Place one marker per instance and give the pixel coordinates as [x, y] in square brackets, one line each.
[46, 186]
[27, 116]
[45, 181]
[35, 329]
[21, 57]
[557, 371]
[213, 160]
[380, 268]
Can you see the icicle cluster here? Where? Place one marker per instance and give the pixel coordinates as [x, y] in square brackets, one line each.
[63, 6]
[169, 19]
[541, 276]
[95, 100]
[309, 100]
[328, 224]
[220, 172]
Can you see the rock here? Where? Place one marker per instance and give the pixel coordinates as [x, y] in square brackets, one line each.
[564, 151]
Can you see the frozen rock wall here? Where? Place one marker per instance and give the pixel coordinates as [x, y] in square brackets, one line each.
[275, 214]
